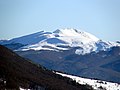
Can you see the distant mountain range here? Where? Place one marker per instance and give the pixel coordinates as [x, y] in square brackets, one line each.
[72, 51]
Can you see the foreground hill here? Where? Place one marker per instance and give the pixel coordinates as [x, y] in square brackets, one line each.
[16, 72]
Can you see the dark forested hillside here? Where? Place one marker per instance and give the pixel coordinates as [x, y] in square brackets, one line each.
[16, 72]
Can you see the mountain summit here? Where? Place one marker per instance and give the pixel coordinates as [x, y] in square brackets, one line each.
[69, 32]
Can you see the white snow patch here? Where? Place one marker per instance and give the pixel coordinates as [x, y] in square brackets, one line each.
[96, 84]
[23, 89]
[95, 47]
[42, 46]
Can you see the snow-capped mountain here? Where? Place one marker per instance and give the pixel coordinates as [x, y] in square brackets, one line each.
[73, 51]
[62, 39]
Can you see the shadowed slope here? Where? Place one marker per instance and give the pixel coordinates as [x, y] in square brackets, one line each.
[17, 72]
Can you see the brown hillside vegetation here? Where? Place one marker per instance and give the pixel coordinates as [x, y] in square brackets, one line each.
[16, 72]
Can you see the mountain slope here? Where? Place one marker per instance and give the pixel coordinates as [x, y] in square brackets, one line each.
[16, 72]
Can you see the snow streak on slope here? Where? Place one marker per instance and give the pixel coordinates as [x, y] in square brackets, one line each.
[96, 84]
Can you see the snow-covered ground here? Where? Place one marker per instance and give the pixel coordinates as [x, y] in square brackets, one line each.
[96, 84]
[23, 89]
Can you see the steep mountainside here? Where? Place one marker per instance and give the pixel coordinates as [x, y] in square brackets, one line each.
[16, 72]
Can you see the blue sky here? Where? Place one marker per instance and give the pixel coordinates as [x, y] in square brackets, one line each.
[98, 17]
